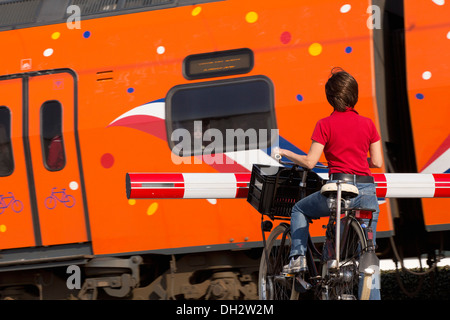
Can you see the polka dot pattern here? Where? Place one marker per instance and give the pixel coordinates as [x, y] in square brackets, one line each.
[251, 17]
[315, 49]
[160, 50]
[152, 208]
[439, 2]
[285, 37]
[312, 48]
[73, 185]
[56, 35]
[345, 8]
[426, 75]
[48, 52]
[107, 160]
[196, 11]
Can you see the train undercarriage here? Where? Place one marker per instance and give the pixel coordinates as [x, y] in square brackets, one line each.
[225, 275]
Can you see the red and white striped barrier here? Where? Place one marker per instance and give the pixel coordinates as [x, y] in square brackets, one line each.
[187, 185]
[235, 185]
[413, 185]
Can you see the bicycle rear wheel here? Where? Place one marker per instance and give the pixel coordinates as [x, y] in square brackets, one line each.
[273, 285]
[342, 284]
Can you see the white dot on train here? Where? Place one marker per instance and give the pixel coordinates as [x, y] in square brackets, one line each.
[73, 185]
[345, 8]
[448, 35]
[426, 75]
[161, 50]
[48, 52]
[439, 2]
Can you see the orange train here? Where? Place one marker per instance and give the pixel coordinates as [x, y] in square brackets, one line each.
[91, 90]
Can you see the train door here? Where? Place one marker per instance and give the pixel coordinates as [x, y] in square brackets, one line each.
[55, 158]
[42, 199]
[16, 219]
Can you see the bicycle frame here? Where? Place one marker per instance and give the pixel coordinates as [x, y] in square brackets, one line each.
[61, 195]
[3, 203]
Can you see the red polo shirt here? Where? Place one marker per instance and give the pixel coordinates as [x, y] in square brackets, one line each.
[346, 137]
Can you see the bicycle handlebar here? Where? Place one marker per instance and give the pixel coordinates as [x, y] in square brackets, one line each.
[290, 163]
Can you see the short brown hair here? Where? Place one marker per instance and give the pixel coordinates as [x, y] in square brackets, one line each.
[341, 90]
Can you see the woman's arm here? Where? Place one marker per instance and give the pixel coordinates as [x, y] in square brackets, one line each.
[376, 158]
[307, 161]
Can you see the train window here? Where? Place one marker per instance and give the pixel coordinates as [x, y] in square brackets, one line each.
[51, 135]
[6, 154]
[220, 116]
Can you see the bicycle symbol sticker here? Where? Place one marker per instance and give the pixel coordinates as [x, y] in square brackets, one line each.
[10, 201]
[59, 196]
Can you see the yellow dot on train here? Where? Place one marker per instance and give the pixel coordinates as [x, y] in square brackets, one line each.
[56, 35]
[152, 208]
[2, 228]
[251, 17]
[196, 11]
[315, 49]
[132, 202]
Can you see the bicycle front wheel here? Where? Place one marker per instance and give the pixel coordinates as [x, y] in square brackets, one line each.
[273, 285]
[343, 283]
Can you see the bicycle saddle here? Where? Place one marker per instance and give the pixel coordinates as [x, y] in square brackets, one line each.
[347, 190]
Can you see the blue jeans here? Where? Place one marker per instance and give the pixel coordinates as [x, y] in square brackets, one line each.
[315, 206]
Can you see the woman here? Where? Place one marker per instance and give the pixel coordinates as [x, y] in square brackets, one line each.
[345, 137]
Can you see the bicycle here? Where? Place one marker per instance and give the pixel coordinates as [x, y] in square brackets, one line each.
[16, 205]
[328, 276]
[61, 196]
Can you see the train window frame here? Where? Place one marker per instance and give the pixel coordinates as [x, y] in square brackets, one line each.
[56, 140]
[268, 111]
[225, 68]
[6, 134]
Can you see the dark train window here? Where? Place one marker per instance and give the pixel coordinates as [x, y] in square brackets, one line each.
[220, 116]
[51, 135]
[6, 154]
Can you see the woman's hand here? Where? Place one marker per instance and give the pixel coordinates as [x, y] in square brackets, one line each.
[276, 153]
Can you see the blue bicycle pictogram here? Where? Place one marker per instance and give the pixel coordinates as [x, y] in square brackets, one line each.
[10, 201]
[59, 196]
